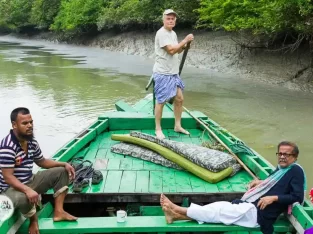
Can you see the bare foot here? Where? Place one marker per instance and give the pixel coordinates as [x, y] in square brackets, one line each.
[63, 216]
[159, 134]
[169, 215]
[162, 199]
[166, 201]
[33, 227]
[181, 130]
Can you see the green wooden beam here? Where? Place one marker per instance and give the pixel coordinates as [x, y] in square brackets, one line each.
[131, 120]
[123, 106]
[6, 225]
[185, 202]
[302, 217]
[141, 224]
[140, 105]
[151, 211]
[76, 144]
[45, 212]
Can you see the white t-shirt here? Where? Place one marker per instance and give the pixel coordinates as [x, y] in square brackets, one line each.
[164, 62]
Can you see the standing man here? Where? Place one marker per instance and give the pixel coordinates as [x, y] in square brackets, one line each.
[165, 71]
[18, 151]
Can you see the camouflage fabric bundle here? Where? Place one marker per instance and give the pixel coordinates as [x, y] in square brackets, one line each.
[144, 154]
[213, 160]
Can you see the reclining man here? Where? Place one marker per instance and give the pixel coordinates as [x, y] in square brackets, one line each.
[260, 205]
[18, 151]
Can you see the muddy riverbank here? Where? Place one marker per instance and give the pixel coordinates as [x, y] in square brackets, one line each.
[215, 51]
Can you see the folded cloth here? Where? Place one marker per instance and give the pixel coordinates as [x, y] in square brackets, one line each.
[144, 154]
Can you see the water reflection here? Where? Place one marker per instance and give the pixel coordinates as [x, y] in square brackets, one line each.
[63, 99]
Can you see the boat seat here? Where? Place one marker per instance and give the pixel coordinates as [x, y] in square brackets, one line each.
[144, 224]
[138, 224]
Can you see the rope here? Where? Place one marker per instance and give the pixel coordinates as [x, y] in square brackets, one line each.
[83, 173]
[237, 147]
[240, 147]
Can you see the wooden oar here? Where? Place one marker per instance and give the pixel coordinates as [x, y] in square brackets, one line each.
[184, 57]
[222, 143]
[171, 101]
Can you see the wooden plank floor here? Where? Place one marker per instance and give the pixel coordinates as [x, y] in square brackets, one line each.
[125, 174]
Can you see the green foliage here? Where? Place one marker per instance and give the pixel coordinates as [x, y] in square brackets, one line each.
[127, 13]
[269, 17]
[3, 13]
[77, 15]
[43, 12]
[121, 12]
[15, 13]
[261, 17]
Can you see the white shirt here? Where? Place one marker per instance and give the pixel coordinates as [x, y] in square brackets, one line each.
[164, 62]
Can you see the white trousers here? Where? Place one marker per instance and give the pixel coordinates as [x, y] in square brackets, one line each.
[242, 214]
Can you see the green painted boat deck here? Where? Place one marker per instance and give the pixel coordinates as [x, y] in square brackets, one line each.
[129, 180]
[126, 174]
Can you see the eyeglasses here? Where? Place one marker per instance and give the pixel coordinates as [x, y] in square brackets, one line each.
[284, 154]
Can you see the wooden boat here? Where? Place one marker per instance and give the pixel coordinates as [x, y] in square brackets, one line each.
[135, 185]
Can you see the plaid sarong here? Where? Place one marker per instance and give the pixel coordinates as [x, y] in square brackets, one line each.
[165, 86]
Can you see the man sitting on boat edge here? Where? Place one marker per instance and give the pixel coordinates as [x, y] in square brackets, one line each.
[260, 205]
[18, 151]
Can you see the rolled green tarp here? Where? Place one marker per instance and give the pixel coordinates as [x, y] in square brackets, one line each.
[211, 177]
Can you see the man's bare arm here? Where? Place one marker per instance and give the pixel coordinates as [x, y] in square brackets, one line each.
[48, 163]
[173, 49]
[182, 49]
[10, 179]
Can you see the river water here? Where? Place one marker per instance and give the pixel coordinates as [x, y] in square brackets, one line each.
[66, 87]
